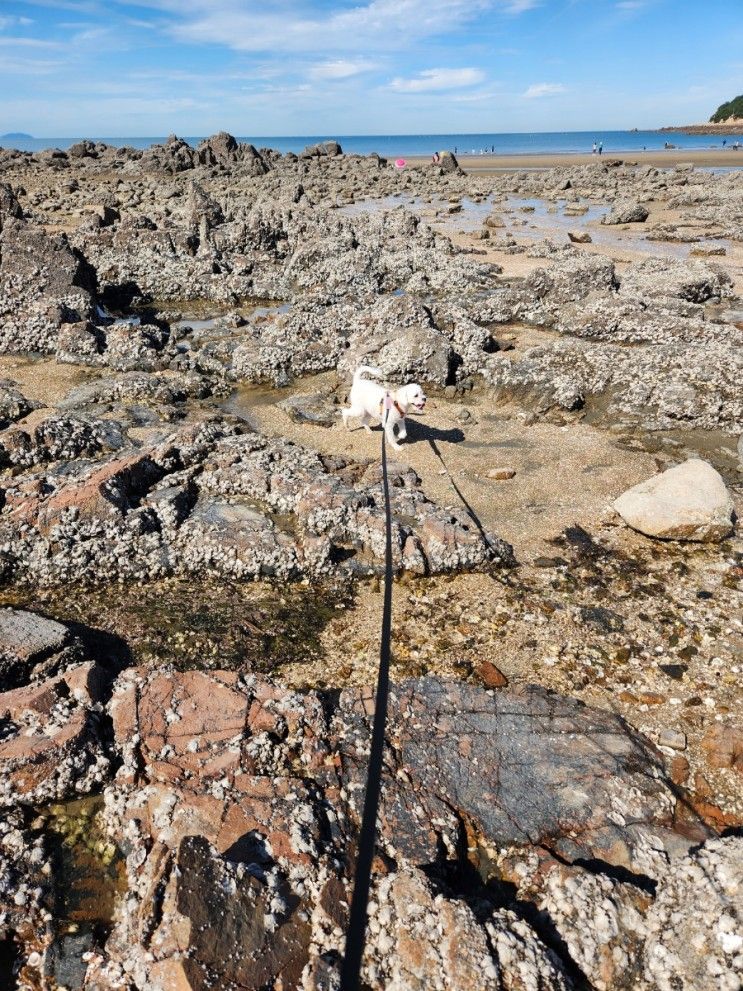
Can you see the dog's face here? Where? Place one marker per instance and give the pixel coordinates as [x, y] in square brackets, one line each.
[413, 396]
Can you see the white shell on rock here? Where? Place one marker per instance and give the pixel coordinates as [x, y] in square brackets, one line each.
[688, 502]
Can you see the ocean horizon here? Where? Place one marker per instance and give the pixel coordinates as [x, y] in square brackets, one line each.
[503, 143]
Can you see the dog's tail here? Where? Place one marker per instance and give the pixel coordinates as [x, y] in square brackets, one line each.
[366, 370]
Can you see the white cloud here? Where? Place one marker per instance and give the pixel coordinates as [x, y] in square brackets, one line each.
[279, 27]
[16, 42]
[435, 79]
[11, 20]
[341, 68]
[538, 90]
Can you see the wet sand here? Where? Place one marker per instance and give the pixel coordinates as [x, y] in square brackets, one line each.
[709, 158]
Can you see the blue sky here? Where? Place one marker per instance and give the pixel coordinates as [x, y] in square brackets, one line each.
[275, 67]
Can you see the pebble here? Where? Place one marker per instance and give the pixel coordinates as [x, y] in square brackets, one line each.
[501, 474]
[672, 739]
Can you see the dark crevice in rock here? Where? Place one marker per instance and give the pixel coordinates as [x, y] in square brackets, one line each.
[9, 961]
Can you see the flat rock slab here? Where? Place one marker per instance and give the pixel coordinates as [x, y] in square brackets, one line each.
[688, 502]
[526, 767]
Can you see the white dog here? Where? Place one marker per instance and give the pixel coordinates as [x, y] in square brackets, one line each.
[367, 402]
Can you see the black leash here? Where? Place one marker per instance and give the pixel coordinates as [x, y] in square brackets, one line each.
[356, 937]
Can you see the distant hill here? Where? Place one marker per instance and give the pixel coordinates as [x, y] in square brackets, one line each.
[16, 136]
[733, 108]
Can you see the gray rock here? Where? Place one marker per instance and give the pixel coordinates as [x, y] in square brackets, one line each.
[508, 764]
[627, 212]
[32, 646]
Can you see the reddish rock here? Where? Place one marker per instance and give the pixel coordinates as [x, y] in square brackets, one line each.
[50, 739]
[490, 675]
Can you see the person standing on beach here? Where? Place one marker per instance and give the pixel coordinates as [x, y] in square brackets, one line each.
[601, 147]
[593, 151]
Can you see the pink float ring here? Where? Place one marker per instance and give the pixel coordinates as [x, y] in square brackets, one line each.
[400, 163]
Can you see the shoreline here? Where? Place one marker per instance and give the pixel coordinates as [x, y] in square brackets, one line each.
[709, 158]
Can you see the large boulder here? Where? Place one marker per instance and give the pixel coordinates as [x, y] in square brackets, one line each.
[688, 502]
[448, 163]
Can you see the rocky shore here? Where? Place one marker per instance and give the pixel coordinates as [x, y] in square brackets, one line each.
[191, 548]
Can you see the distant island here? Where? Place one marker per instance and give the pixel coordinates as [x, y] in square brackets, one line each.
[727, 119]
[16, 136]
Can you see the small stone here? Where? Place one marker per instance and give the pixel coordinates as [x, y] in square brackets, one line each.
[626, 696]
[490, 675]
[580, 237]
[672, 739]
[652, 698]
[501, 474]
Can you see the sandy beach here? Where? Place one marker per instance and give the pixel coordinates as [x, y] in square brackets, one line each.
[708, 158]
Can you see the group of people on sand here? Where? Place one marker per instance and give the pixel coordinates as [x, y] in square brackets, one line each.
[598, 149]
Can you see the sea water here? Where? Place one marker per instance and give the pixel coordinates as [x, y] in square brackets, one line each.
[549, 143]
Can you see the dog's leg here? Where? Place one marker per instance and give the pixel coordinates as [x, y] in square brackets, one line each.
[365, 422]
[345, 413]
[402, 430]
[390, 430]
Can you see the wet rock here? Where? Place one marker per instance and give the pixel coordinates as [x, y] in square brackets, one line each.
[626, 213]
[580, 237]
[688, 502]
[237, 936]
